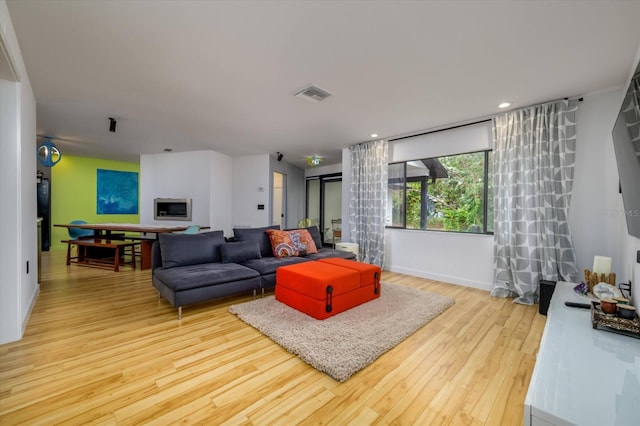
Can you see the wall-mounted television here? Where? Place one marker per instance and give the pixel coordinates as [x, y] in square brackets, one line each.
[626, 142]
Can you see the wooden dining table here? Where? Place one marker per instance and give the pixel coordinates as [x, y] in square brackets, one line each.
[146, 241]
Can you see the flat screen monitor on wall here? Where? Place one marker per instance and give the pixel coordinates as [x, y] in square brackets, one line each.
[626, 142]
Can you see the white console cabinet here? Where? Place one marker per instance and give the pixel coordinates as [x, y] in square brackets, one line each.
[582, 376]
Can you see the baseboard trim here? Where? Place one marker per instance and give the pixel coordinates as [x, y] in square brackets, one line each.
[444, 278]
[32, 303]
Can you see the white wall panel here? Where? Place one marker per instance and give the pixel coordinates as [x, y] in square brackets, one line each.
[177, 175]
[251, 186]
[445, 256]
[596, 211]
[18, 245]
[221, 193]
[203, 176]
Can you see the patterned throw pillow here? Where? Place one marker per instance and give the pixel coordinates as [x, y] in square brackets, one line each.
[291, 243]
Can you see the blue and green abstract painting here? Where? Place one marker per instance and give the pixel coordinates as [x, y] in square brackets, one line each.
[117, 192]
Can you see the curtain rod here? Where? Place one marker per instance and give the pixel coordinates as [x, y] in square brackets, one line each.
[428, 132]
[476, 121]
[575, 98]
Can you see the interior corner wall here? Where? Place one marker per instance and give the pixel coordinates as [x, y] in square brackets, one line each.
[595, 212]
[74, 194]
[597, 215]
[252, 181]
[203, 176]
[296, 190]
[629, 245]
[18, 246]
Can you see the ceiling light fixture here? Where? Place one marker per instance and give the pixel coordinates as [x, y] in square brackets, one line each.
[314, 161]
[504, 105]
[112, 124]
[48, 153]
[374, 135]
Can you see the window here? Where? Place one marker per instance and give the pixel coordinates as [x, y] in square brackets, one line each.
[447, 193]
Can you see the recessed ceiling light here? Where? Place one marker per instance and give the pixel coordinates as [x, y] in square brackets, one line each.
[374, 135]
[504, 105]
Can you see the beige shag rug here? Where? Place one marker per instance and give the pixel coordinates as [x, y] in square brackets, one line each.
[343, 344]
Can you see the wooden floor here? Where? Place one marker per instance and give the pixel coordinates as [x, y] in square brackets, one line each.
[100, 348]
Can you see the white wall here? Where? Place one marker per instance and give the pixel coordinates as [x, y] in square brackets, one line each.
[203, 176]
[18, 245]
[251, 183]
[630, 246]
[225, 191]
[595, 214]
[465, 259]
[221, 192]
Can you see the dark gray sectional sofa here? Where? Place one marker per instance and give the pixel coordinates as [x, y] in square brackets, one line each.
[188, 269]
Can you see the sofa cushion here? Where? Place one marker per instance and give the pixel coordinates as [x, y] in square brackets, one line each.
[185, 249]
[202, 275]
[268, 265]
[329, 252]
[315, 234]
[291, 243]
[256, 234]
[240, 252]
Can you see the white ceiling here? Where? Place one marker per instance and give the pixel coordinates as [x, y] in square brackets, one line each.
[219, 75]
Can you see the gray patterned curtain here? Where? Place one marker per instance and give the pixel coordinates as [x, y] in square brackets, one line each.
[367, 206]
[534, 156]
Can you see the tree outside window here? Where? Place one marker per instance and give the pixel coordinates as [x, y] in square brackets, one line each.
[445, 193]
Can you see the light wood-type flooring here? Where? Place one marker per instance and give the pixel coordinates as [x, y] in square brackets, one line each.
[101, 348]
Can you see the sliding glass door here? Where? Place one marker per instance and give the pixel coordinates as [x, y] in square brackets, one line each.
[324, 205]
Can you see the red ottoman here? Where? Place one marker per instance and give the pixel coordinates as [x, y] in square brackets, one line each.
[321, 289]
[369, 274]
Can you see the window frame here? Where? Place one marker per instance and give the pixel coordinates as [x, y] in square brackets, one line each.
[485, 194]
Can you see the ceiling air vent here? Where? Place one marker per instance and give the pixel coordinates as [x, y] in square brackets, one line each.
[313, 94]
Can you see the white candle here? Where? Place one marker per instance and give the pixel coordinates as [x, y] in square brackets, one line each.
[602, 265]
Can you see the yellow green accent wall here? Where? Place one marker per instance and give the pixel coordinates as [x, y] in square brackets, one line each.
[74, 195]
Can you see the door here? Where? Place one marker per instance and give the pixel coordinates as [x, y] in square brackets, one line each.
[279, 205]
[331, 209]
[313, 201]
[324, 204]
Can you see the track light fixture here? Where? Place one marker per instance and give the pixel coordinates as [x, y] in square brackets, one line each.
[112, 124]
[280, 155]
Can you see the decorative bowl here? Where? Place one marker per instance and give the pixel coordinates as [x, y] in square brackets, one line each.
[608, 306]
[626, 311]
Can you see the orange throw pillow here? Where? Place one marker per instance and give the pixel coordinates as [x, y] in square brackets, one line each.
[291, 243]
